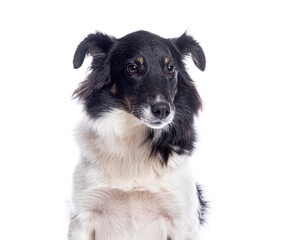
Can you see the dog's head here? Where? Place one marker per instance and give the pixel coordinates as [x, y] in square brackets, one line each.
[141, 73]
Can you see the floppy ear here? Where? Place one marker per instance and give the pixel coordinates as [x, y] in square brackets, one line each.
[98, 46]
[187, 45]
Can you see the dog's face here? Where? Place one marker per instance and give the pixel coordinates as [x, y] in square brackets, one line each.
[141, 73]
[145, 76]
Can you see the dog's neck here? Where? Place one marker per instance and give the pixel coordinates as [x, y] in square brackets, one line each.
[119, 130]
[118, 141]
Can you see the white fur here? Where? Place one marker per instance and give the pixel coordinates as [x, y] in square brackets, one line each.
[120, 192]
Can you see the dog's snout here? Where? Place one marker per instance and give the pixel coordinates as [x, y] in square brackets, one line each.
[161, 110]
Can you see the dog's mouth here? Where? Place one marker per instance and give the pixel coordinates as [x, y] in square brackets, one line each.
[155, 124]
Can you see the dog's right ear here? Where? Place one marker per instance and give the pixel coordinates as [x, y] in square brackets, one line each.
[96, 45]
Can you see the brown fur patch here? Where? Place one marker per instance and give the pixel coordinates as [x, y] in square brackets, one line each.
[113, 89]
[167, 60]
[175, 93]
[127, 103]
[140, 60]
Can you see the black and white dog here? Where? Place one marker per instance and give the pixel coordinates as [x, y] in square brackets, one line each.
[133, 180]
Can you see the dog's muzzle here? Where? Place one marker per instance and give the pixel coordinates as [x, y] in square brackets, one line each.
[158, 114]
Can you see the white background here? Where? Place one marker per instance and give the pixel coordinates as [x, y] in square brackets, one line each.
[242, 150]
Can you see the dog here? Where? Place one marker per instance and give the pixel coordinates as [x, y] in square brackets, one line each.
[133, 180]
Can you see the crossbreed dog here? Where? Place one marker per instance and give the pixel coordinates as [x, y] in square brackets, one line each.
[133, 179]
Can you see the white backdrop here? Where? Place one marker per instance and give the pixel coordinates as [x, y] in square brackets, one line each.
[242, 150]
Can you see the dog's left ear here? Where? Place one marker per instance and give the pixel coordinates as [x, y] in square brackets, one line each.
[187, 45]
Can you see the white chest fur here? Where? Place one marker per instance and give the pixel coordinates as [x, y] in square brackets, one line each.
[121, 192]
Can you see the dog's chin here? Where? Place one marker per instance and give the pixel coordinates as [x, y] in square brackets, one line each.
[155, 124]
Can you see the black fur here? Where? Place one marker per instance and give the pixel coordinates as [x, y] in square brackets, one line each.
[181, 136]
[203, 205]
[110, 85]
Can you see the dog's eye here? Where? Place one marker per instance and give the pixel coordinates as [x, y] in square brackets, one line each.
[171, 69]
[132, 69]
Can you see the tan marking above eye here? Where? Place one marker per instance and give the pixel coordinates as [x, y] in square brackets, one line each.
[167, 60]
[140, 60]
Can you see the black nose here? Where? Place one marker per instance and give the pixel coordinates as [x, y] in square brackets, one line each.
[161, 110]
